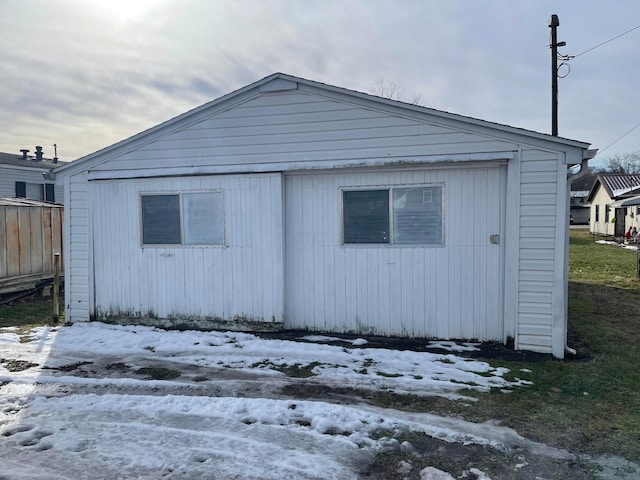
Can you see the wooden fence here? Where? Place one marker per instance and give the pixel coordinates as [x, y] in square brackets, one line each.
[30, 235]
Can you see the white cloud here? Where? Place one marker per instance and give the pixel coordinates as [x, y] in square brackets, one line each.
[86, 74]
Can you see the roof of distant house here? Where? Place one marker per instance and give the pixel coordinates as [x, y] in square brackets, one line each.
[617, 185]
[18, 160]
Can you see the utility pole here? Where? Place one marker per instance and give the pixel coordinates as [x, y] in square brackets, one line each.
[554, 23]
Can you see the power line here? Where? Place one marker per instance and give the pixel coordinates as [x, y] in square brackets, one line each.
[620, 138]
[570, 57]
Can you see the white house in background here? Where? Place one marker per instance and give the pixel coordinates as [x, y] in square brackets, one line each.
[25, 176]
[579, 210]
[295, 204]
[608, 216]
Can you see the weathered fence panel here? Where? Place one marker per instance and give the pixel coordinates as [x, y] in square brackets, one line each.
[30, 236]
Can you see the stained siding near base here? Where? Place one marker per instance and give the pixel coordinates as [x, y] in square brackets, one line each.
[76, 239]
[538, 262]
[241, 280]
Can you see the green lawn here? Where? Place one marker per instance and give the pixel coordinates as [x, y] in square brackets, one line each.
[34, 311]
[590, 405]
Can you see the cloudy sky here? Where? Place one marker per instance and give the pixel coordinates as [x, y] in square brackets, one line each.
[84, 74]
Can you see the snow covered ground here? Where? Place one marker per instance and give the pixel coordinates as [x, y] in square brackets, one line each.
[626, 246]
[77, 402]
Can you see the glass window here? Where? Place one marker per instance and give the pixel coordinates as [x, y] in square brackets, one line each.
[366, 216]
[183, 219]
[416, 216]
[203, 218]
[161, 220]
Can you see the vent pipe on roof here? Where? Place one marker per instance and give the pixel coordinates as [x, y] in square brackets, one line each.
[25, 152]
[38, 153]
[55, 153]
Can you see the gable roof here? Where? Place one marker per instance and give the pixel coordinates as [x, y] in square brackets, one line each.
[617, 185]
[280, 82]
[16, 160]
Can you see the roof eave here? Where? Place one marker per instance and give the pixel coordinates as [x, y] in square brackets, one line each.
[120, 147]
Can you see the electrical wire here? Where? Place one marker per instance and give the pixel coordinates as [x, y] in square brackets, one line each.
[571, 57]
[619, 138]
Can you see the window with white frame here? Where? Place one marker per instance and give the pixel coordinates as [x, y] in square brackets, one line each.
[394, 216]
[182, 219]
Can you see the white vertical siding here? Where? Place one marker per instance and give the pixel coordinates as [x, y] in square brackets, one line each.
[240, 281]
[449, 291]
[540, 202]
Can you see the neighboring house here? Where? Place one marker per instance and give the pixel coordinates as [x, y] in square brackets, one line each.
[295, 204]
[25, 176]
[579, 209]
[608, 216]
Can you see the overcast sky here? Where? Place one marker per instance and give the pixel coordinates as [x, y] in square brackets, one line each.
[84, 74]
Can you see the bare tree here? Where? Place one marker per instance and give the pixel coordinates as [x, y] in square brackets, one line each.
[394, 91]
[624, 163]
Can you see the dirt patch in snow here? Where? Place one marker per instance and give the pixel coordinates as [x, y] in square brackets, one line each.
[413, 452]
[405, 453]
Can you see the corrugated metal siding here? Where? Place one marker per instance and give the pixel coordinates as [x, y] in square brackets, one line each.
[9, 176]
[453, 291]
[298, 127]
[537, 248]
[242, 280]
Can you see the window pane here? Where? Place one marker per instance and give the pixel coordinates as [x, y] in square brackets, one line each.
[417, 216]
[160, 219]
[34, 191]
[21, 189]
[203, 218]
[49, 192]
[366, 216]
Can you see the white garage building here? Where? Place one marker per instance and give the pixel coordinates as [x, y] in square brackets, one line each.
[294, 204]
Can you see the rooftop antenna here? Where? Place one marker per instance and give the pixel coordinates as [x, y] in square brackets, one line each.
[554, 23]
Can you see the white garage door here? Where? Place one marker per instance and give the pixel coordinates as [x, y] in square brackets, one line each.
[430, 266]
